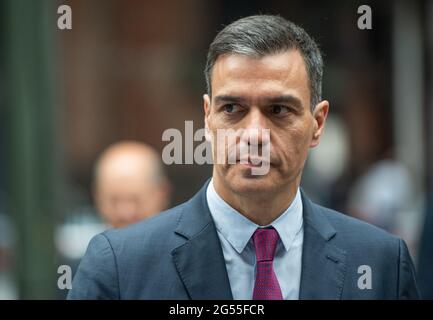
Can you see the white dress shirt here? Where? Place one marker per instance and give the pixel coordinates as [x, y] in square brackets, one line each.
[235, 232]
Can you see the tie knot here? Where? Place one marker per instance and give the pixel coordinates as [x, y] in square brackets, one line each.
[265, 243]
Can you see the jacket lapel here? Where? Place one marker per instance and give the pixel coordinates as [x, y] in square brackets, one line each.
[323, 264]
[199, 260]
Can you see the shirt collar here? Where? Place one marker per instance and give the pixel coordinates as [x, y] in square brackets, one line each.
[288, 224]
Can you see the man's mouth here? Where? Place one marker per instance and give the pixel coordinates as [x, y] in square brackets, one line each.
[253, 162]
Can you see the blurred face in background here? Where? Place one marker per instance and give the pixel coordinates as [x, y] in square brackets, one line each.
[127, 186]
[272, 93]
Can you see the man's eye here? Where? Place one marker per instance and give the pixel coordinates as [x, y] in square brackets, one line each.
[280, 110]
[231, 108]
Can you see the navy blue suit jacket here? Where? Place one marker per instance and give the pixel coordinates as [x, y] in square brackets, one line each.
[177, 255]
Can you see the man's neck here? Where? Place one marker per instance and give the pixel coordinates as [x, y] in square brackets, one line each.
[261, 208]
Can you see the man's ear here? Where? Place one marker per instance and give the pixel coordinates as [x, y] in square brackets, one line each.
[319, 114]
[206, 108]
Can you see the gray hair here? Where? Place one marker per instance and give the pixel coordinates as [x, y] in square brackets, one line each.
[260, 35]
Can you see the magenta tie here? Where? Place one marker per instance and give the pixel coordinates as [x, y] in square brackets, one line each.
[266, 286]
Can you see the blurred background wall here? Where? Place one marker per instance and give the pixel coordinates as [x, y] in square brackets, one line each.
[130, 69]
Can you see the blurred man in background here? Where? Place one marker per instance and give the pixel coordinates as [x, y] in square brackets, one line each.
[129, 184]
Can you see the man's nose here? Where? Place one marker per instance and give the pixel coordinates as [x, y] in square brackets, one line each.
[256, 128]
[127, 209]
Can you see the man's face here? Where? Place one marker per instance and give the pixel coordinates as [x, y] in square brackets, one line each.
[126, 192]
[124, 200]
[253, 94]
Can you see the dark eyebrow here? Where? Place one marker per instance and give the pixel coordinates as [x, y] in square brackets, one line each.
[283, 99]
[287, 99]
[228, 99]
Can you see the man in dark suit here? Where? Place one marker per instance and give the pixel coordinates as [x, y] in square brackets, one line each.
[249, 234]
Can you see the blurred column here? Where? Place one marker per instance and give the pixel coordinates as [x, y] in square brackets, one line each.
[429, 120]
[408, 87]
[30, 26]
[425, 261]
[409, 112]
